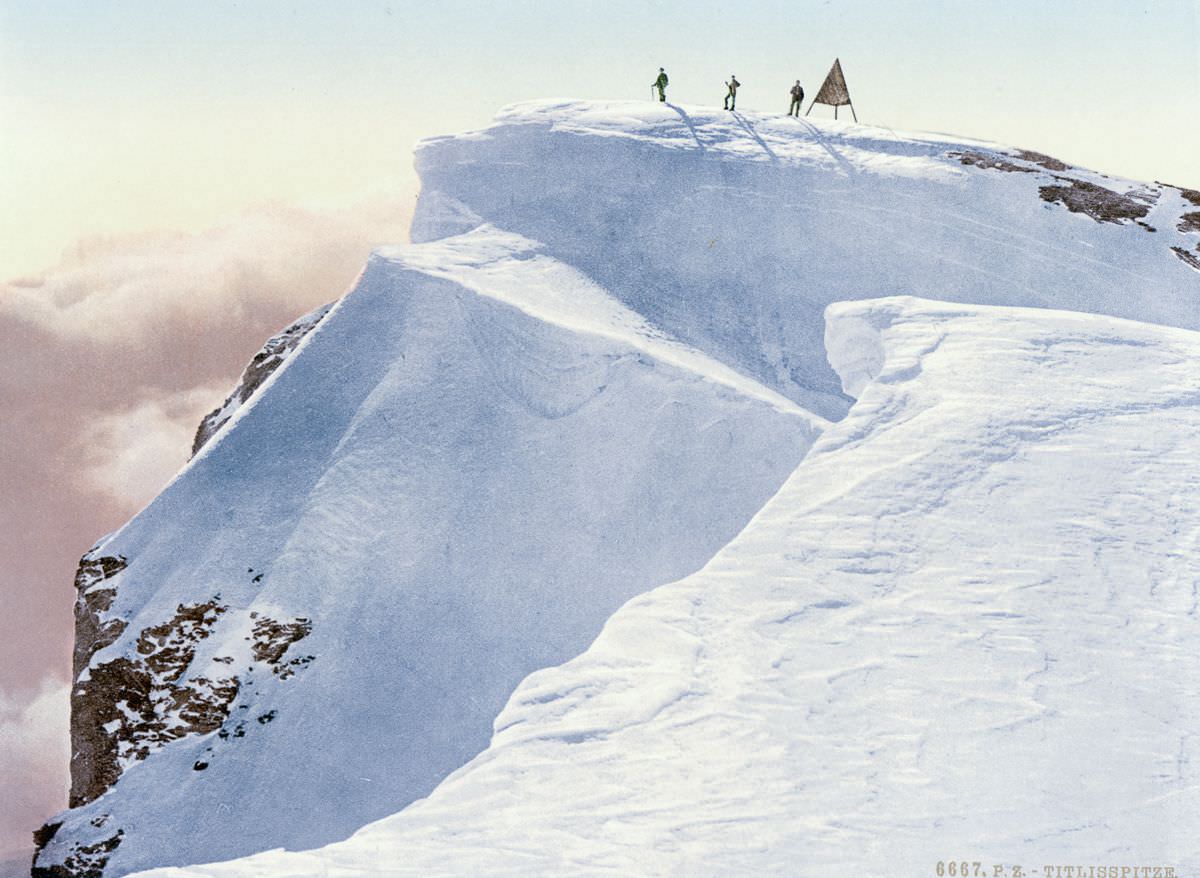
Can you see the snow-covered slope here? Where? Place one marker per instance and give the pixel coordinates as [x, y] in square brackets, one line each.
[966, 628]
[603, 355]
[273, 355]
[452, 482]
[733, 231]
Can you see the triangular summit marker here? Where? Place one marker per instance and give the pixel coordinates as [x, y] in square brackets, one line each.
[834, 91]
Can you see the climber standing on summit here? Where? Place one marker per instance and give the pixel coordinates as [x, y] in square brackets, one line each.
[731, 96]
[660, 84]
[797, 99]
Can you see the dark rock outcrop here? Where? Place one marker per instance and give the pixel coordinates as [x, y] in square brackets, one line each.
[265, 362]
[1190, 222]
[84, 861]
[1079, 196]
[95, 592]
[123, 708]
[1187, 257]
[1005, 162]
[1048, 162]
[96, 589]
[1190, 195]
[991, 162]
[272, 640]
[1101, 204]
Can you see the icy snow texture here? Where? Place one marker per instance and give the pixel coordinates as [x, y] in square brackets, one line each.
[595, 366]
[455, 493]
[733, 231]
[966, 628]
[273, 354]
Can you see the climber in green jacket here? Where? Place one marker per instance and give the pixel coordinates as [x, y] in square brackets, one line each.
[731, 88]
[661, 84]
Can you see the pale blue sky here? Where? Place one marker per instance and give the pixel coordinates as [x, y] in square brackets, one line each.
[120, 115]
[123, 117]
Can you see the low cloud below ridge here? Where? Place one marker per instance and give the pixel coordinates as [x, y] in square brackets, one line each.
[107, 362]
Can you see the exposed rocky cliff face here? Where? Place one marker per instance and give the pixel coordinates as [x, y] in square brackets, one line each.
[92, 767]
[277, 349]
[127, 706]
[80, 860]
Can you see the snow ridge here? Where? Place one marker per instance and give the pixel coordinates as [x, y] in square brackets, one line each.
[731, 232]
[437, 494]
[508, 268]
[969, 618]
[273, 355]
[588, 392]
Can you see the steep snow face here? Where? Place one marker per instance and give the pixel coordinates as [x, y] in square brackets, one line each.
[451, 481]
[966, 627]
[733, 231]
[599, 362]
[273, 355]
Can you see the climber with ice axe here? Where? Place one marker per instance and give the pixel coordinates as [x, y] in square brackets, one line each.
[660, 84]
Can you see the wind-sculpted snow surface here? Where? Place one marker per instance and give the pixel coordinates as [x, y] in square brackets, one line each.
[733, 231]
[273, 355]
[451, 482]
[966, 628]
[600, 360]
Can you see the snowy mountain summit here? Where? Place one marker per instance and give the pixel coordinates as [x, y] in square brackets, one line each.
[700, 493]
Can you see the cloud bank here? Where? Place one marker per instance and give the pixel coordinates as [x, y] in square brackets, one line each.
[34, 755]
[107, 363]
